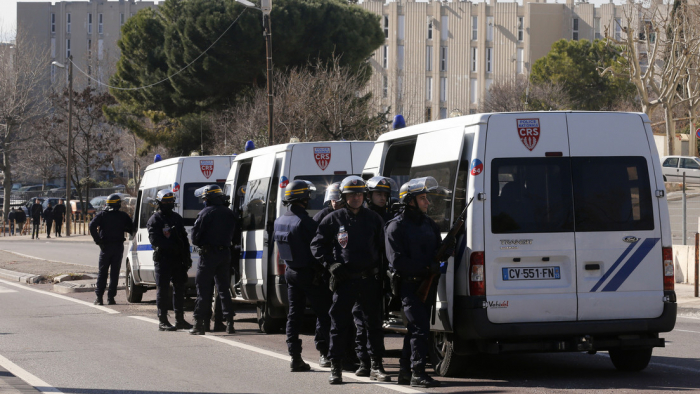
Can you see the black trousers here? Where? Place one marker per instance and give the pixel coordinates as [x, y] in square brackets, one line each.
[48, 227]
[300, 287]
[35, 227]
[59, 224]
[169, 271]
[214, 268]
[110, 260]
[415, 342]
[367, 293]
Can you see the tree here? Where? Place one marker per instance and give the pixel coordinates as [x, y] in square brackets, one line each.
[574, 65]
[23, 81]
[518, 95]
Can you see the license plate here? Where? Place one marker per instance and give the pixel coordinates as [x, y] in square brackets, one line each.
[531, 273]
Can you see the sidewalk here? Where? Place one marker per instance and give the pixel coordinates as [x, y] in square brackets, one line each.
[73, 238]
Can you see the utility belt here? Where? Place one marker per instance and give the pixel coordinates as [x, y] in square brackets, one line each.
[411, 279]
[208, 248]
[364, 274]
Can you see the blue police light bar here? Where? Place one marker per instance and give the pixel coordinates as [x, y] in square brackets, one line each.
[399, 122]
[249, 145]
[157, 158]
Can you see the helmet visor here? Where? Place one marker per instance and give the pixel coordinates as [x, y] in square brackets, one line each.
[166, 196]
[426, 184]
[382, 184]
[332, 192]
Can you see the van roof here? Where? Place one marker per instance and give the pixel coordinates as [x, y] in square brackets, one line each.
[175, 160]
[288, 146]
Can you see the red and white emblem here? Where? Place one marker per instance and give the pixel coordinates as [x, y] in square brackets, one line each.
[342, 237]
[207, 167]
[322, 155]
[529, 132]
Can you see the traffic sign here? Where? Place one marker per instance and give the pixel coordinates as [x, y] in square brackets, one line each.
[697, 133]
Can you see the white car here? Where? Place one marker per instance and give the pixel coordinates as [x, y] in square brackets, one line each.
[673, 168]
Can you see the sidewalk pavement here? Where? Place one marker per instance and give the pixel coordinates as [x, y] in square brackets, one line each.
[73, 238]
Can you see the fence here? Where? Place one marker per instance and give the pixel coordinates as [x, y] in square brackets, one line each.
[79, 226]
[684, 210]
[18, 198]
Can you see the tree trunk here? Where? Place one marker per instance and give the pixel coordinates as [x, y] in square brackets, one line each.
[692, 138]
[670, 128]
[7, 184]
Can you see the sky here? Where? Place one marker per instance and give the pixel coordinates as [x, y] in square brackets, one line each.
[8, 15]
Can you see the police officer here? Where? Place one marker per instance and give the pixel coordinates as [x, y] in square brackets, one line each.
[107, 229]
[293, 233]
[59, 212]
[412, 240]
[213, 232]
[171, 257]
[35, 213]
[349, 242]
[379, 190]
[48, 215]
[332, 197]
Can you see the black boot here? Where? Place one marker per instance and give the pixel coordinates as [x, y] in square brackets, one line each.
[98, 301]
[364, 368]
[404, 378]
[298, 365]
[378, 373]
[229, 327]
[198, 328]
[110, 301]
[323, 361]
[219, 327]
[336, 373]
[422, 379]
[164, 324]
[180, 322]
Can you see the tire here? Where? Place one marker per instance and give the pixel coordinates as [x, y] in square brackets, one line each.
[134, 292]
[443, 357]
[630, 360]
[267, 323]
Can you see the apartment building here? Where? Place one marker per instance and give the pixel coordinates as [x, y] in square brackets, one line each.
[87, 30]
[441, 57]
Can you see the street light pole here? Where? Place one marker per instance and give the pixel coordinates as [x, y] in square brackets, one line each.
[70, 136]
[268, 48]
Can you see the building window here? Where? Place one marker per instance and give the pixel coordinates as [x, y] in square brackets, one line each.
[385, 86]
[429, 88]
[385, 56]
[596, 28]
[399, 89]
[444, 32]
[89, 49]
[575, 30]
[472, 111]
[475, 27]
[520, 28]
[402, 26]
[53, 73]
[399, 57]
[429, 58]
[386, 26]
[99, 24]
[89, 23]
[618, 28]
[475, 55]
[121, 19]
[53, 27]
[488, 86]
[67, 23]
[443, 113]
[649, 30]
[489, 28]
[443, 58]
[99, 51]
[520, 63]
[68, 49]
[443, 89]
[428, 114]
[430, 28]
[489, 60]
[472, 91]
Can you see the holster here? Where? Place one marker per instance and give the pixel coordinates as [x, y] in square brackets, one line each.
[395, 281]
[156, 254]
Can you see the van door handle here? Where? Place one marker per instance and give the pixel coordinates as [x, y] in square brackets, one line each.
[592, 267]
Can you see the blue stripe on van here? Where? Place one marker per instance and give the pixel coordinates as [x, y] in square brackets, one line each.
[631, 264]
[144, 247]
[612, 268]
[252, 254]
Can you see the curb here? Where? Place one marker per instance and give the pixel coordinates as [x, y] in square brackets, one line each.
[679, 197]
[20, 276]
[87, 285]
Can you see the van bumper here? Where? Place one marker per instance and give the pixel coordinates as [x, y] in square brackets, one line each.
[472, 325]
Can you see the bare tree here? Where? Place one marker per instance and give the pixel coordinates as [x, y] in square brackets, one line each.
[23, 83]
[507, 95]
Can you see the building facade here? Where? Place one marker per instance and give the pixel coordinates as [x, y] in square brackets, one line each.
[441, 57]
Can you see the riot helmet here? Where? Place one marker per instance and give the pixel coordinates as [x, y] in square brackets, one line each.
[352, 184]
[414, 187]
[382, 184]
[211, 194]
[299, 190]
[332, 192]
[166, 200]
[113, 203]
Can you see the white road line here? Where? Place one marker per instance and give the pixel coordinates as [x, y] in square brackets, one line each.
[688, 317]
[31, 380]
[315, 366]
[697, 332]
[102, 308]
[38, 258]
[6, 290]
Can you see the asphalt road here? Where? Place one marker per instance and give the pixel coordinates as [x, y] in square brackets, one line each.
[74, 252]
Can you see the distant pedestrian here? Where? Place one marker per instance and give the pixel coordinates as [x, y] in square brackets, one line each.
[48, 219]
[36, 212]
[20, 218]
[59, 212]
[11, 217]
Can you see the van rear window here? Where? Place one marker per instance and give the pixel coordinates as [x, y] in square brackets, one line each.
[253, 216]
[321, 182]
[191, 205]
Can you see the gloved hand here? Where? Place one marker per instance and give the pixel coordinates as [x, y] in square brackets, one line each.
[338, 271]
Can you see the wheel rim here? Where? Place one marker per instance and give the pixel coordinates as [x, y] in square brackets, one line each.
[129, 281]
[439, 346]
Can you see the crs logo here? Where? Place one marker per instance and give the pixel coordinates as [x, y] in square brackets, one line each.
[284, 181]
[176, 187]
[477, 167]
[529, 132]
[322, 155]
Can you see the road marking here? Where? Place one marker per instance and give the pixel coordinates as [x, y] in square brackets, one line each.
[31, 380]
[6, 290]
[102, 308]
[39, 258]
[697, 332]
[688, 317]
[315, 366]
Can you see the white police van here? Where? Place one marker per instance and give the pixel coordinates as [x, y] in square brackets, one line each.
[183, 175]
[256, 185]
[567, 243]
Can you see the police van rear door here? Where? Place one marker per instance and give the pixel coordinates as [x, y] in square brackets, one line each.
[618, 232]
[529, 257]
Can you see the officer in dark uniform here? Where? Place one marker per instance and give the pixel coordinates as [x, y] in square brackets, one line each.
[219, 322]
[349, 242]
[293, 233]
[412, 240]
[213, 232]
[59, 212]
[332, 197]
[107, 229]
[35, 213]
[48, 218]
[171, 258]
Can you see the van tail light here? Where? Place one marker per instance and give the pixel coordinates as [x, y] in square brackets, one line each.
[477, 284]
[669, 277]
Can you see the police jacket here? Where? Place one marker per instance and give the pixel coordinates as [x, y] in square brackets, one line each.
[359, 247]
[322, 214]
[294, 232]
[108, 227]
[20, 216]
[412, 239]
[48, 214]
[11, 216]
[384, 213]
[214, 226]
[58, 212]
[167, 233]
[36, 211]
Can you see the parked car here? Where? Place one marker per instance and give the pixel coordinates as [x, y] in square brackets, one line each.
[27, 205]
[673, 168]
[76, 208]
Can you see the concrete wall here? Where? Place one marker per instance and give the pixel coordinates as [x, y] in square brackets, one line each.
[684, 262]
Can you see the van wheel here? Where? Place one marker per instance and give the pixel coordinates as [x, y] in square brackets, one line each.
[630, 359]
[134, 292]
[442, 355]
[267, 323]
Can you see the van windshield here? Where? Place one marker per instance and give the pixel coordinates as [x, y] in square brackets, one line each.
[191, 204]
[321, 182]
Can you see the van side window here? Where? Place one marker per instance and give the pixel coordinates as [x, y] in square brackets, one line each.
[148, 204]
[612, 194]
[690, 163]
[191, 205]
[321, 182]
[440, 208]
[531, 195]
[397, 164]
[254, 205]
[671, 162]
